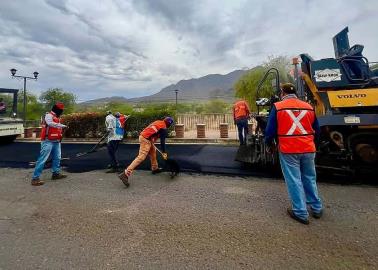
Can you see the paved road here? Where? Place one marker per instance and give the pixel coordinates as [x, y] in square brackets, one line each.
[191, 157]
[207, 158]
[195, 221]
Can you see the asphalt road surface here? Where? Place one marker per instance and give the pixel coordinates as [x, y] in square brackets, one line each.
[194, 221]
[205, 158]
[191, 157]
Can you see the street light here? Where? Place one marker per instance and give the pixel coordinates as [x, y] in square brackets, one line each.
[176, 92]
[35, 73]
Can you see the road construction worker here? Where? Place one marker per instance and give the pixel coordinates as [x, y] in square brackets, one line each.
[147, 138]
[241, 115]
[51, 137]
[293, 123]
[115, 128]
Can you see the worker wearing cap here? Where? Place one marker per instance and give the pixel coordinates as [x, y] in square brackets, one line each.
[147, 138]
[293, 123]
[51, 137]
[241, 115]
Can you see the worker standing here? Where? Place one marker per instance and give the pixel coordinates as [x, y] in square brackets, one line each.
[293, 122]
[147, 138]
[241, 115]
[115, 128]
[51, 137]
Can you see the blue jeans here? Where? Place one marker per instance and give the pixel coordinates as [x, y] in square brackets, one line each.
[300, 177]
[48, 147]
[242, 125]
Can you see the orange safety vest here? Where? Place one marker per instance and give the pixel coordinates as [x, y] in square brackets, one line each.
[295, 133]
[151, 131]
[51, 133]
[241, 110]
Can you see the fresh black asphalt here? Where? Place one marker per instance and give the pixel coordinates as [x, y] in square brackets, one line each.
[191, 157]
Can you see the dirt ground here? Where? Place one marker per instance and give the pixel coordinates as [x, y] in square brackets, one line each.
[90, 221]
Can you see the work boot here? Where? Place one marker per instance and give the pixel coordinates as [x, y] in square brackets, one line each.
[57, 176]
[317, 215]
[295, 217]
[37, 182]
[156, 171]
[112, 170]
[124, 178]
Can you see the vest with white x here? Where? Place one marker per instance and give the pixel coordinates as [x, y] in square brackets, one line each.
[294, 126]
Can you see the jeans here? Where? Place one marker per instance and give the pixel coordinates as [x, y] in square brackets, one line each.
[112, 151]
[300, 177]
[242, 125]
[48, 147]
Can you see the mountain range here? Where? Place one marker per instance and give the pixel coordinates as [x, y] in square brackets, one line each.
[212, 86]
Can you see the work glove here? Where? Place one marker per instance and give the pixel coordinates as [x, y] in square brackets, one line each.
[165, 156]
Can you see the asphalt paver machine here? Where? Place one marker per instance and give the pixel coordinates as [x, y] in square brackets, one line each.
[344, 92]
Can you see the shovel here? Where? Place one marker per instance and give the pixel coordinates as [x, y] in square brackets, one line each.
[171, 165]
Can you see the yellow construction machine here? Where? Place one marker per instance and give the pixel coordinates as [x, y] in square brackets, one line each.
[344, 93]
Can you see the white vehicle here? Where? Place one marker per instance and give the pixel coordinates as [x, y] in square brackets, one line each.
[10, 125]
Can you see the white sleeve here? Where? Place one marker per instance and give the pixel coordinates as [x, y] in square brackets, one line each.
[49, 121]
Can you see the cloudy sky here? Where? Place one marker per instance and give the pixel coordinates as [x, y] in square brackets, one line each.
[130, 48]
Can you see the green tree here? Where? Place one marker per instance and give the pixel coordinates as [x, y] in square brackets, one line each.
[35, 109]
[246, 86]
[53, 95]
[217, 106]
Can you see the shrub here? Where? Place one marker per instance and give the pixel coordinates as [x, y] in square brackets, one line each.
[92, 124]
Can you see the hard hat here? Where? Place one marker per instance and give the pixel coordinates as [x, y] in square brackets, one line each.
[169, 121]
[117, 114]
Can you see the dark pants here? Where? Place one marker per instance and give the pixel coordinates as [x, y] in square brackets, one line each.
[112, 151]
[242, 125]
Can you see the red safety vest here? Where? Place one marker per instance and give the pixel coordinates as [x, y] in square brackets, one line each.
[241, 110]
[51, 133]
[151, 131]
[295, 133]
[122, 120]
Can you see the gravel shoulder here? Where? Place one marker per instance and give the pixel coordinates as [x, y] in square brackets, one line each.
[90, 221]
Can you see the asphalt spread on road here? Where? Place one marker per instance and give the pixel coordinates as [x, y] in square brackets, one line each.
[191, 157]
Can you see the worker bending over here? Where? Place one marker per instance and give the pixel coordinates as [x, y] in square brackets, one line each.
[147, 138]
[293, 122]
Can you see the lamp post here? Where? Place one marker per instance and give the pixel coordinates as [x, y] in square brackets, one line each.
[35, 73]
[176, 92]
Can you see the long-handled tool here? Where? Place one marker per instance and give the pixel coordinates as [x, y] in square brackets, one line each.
[92, 150]
[171, 165]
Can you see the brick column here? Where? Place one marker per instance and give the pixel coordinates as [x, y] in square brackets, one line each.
[201, 131]
[179, 129]
[223, 128]
[38, 131]
[28, 132]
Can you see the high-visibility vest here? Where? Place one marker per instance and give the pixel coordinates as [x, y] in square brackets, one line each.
[151, 132]
[122, 120]
[294, 126]
[241, 110]
[51, 133]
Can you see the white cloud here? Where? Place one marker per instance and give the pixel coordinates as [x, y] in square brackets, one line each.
[133, 48]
